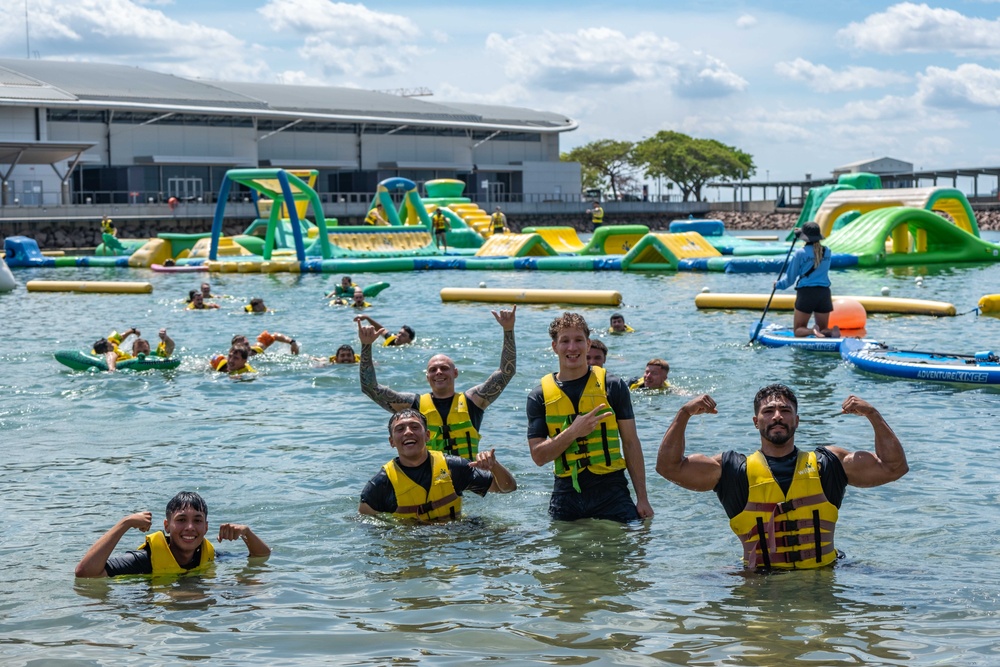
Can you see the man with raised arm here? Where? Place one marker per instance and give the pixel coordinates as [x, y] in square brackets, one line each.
[453, 420]
[580, 419]
[782, 502]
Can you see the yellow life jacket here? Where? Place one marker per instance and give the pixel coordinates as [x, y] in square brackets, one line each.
[455, 435]
[440, 223]
[599, 451]
[357, 358]
[108, 227]
[163, 560]
[363, 304]
[221, 364]
[413, 502]
[161, 350]
[388, 340]
[372, 218]
[641, 384]
[798, 528]
[498, 222]
[597, 215]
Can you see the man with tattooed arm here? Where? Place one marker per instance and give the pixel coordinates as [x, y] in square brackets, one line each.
[453, 420]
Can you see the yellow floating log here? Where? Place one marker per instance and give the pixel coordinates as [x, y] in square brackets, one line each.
[872, 304]
[990, 304]
[585, 297]
[104, 287]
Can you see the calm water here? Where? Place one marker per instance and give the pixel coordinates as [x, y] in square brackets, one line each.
[289, 452]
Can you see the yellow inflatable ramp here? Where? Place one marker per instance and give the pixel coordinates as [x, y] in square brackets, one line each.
[516, 245]
[381, 241]
[584, 297]
[561, 239]
[656, 251]
[103, 287]
[872, 304]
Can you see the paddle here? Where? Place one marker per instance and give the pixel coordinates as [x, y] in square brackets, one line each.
[784, 264]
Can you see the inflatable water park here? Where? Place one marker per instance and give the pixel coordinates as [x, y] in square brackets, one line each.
[863, 224]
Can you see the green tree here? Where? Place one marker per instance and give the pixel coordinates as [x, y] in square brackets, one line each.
[604, 163]
[690, 162]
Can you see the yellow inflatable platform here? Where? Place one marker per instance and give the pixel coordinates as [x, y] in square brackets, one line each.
[872, 304]
[584, 297]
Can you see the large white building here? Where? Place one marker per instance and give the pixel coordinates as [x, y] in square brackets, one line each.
[74, 132]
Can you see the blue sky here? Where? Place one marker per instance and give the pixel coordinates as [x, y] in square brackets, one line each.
[801, 86]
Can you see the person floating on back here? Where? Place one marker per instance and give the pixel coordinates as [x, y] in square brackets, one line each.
[809, 268]
[782, 502]
[179, 548]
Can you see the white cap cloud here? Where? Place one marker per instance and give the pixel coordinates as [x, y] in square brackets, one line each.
[911, 28]
[826, 80]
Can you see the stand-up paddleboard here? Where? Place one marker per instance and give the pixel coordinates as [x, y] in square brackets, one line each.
[979, 368]
[773, 335]
[82, 361]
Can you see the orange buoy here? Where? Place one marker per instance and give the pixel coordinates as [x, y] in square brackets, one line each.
[848, 314]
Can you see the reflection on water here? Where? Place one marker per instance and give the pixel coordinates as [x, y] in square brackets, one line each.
[290, 452]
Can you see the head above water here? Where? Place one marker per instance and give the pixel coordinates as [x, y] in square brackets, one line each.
[405, 335]
[597, 355]
[772, 391]
[618, 322]
[186, 500]
[568, 321]
[140, 346]
[345, 354]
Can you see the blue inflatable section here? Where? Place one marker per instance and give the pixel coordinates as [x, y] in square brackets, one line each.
[23, 251]
[703, 227]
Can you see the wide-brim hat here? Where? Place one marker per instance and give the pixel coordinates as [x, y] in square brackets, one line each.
[810, 232]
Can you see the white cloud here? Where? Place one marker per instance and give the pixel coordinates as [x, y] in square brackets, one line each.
[124, 32]
[602, 58]
[826, 80]
[911, 28]
[967, 86]
[344, 38]
[746, 21]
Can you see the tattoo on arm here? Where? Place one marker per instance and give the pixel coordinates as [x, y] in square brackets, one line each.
[490, 390]
[382, 395]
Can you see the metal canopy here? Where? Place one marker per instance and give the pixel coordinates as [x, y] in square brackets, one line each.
[40, 152]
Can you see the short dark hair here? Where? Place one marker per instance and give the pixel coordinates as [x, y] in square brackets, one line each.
[241, 351]
[102, 346]
[237, 338]
[191, 294]
[568, 321]
[617, 316]
[256, 300]
[771, 391]
[406, 413]
[596, 344]
[659, 362]
[408, 329]
[345, 347]
[186, 499]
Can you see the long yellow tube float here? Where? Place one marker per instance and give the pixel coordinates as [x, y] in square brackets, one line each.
[574, 296]
[872, 304]
[98, 286]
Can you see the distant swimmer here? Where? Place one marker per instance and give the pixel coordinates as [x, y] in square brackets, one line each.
[618, 325]
[235, 361]
[454, 419]
[597, 355]
[345, 287]
[256, 306]
[164, 348]
[196, 301]
[264, 340]
[782, 502]
[654, 378]
[580, 419]
[106, 349]
[404, 336]
[424, 485]
[345, 355]
[179, 548]
[809, 268]
[206, 291]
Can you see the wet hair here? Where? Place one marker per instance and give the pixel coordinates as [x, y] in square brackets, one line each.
[568, 321]
[139, 341]
[771, 391]
[241, 350]
[406, 413]
[191, 294]
[617, 316]
[239, 339]
[187, 499]
[102, 346]
[599, 345]
[256, 301]
[344, 347]
[408, 329]
[347, 278]
[659, 362]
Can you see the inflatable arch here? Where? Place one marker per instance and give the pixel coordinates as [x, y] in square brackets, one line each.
[947, 200]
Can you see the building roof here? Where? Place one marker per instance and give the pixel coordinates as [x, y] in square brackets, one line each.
[53, 83]
[866, 161]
